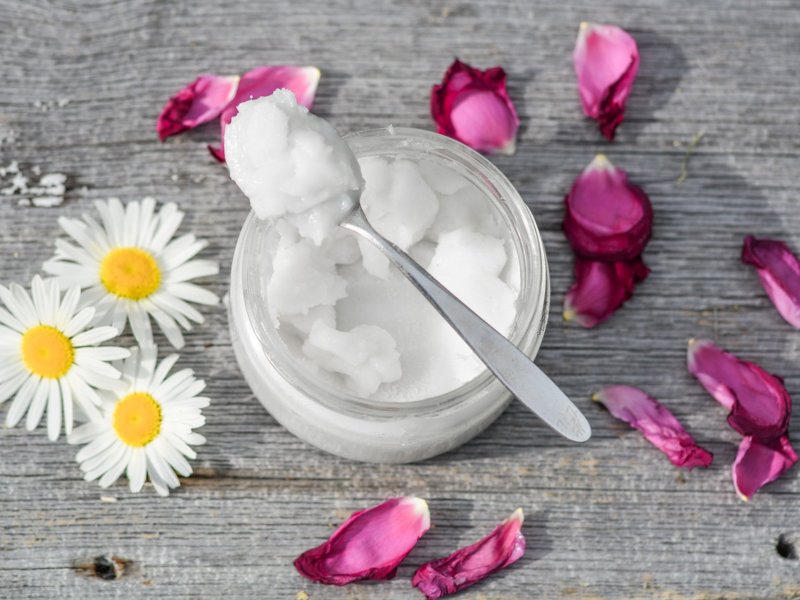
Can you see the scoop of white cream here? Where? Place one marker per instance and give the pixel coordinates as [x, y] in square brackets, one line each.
[341, 310]
[288, 161]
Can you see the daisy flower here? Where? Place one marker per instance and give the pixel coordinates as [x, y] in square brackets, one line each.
[49, 358]
[146, 428]
[134, 269]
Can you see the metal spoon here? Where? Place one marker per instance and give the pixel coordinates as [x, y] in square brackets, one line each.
[511, 366]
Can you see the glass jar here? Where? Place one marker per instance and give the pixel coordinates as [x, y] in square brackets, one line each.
[373, 431]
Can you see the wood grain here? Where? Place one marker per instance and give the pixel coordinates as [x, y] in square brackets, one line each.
[82, 83]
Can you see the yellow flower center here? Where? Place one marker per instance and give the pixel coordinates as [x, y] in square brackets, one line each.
[130, 273]
[47, 352]
[137, 419]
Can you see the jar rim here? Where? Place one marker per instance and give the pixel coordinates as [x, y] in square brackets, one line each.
[533, 299]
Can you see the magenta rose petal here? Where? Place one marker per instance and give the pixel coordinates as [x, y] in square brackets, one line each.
[473, 107]
[370, 544]
[199, 102]
[658, 425]
[466, 566]
[600, 288]
[758, 402]
[606, 61]
[262, 81]
[779, 271]
[607, 217]
[760, 462]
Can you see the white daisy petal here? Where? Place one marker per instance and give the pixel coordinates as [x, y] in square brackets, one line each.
[11, 370]
[161, 487]
[67, 307]
[87, 432]
[66, 405]
[95, 295]
[137, 469]
[173, 382]
[156, 463]
[192, 293]
[116, 470]
[147, 366]
[195, 439]
[175, 306]
[82, 393]
[104, 353]
[168, 311]
[105, 460]
[37, 406]
[180, 445]
[180, 391]
[130, 229]
[140, 324]
[164, 367]
[22, 306]
[52, 292]
[82, 233]
[170, 219]
[192, 270]
[53, 410]
[96, 366]
[99, 235]
[40, 301]
[22, 400]
[167, 324]
[181, 250]
[70, 274]
[96, 379]
[119, 314]
[94, 336]
[79, 322]
[10, 387]
[172, 457]
[10, 321]
[147, 224]
[76, 254]
[195, 403]
[97, 446]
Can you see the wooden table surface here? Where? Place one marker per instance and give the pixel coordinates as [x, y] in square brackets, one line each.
[81, 84]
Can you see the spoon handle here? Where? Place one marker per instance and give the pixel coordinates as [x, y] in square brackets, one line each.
[511, 366]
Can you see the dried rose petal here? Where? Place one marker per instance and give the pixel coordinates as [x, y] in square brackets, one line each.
[600, 288]
[759, 462]
[779, 271]
[199, 102]
[659, 425]
[466, 566]
[262, 81]
[473, 107]
[606, 61]
[370, 544]
[758, 402]
[607, 217]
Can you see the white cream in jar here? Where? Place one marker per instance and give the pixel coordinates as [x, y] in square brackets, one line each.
[347, 317]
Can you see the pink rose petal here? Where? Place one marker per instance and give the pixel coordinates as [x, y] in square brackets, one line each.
[466, 566]
[779, 271]
[607, 218]
[199, 102]
[658, 425]
[600, 288]
[760, 462]
[370, 544]
[262, 81]
[473, 107]
[758, 402]
[606, 61]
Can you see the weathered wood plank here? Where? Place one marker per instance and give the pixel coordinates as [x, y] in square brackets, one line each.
[82, 83]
